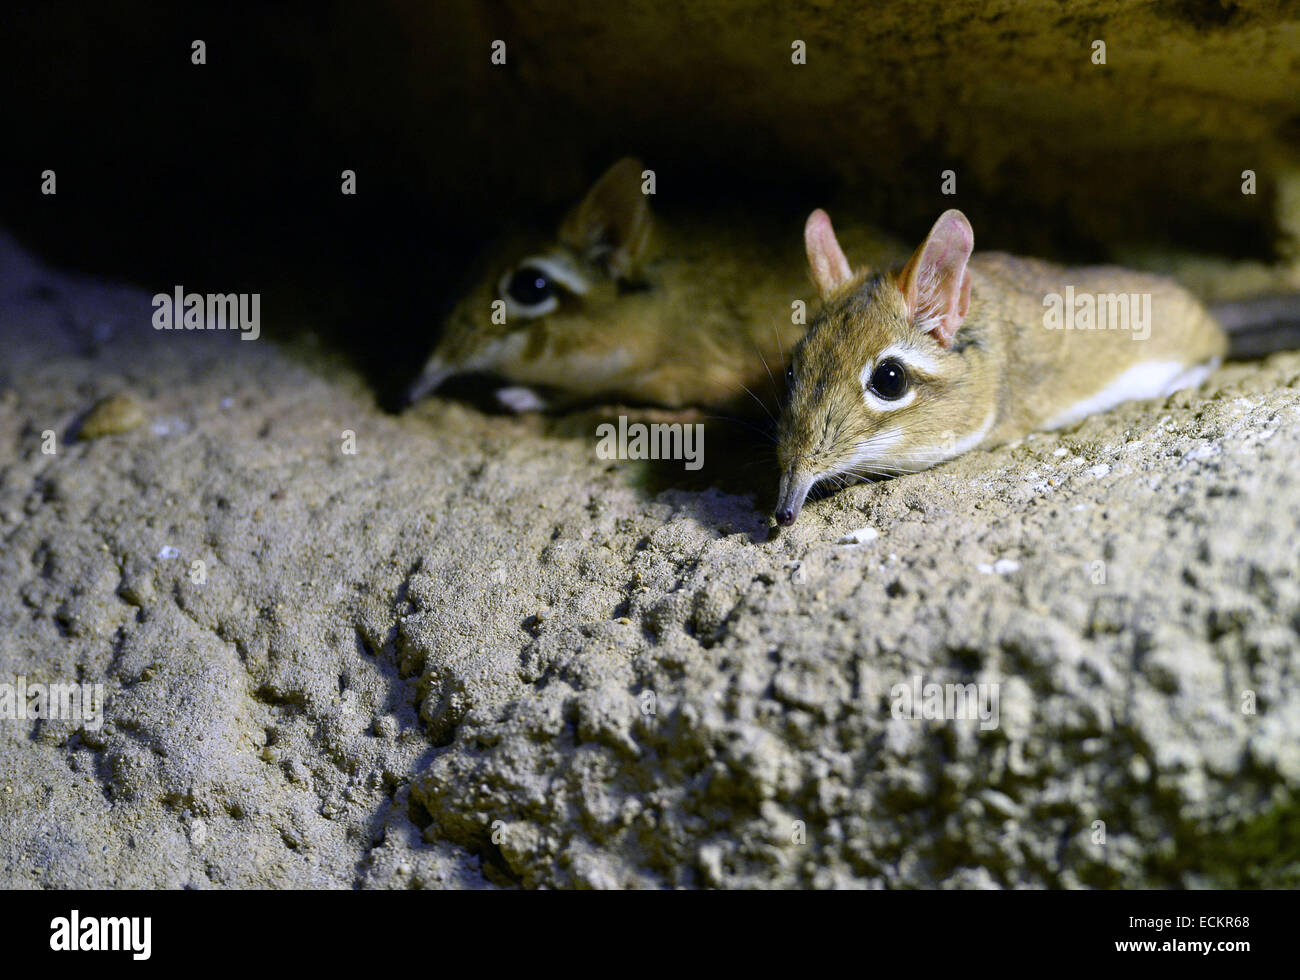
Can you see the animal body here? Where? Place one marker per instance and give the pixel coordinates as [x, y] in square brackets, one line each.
[906, 368]
[620, 308]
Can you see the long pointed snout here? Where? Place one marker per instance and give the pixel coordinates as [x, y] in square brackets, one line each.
[433, 375]
[790, 496]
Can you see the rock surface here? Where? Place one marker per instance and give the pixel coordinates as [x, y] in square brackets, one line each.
[471, 653]
[1013, 96]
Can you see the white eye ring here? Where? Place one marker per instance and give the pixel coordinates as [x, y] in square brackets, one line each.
[874, 401]
[557, 271]
[513, 308]
[878, 404]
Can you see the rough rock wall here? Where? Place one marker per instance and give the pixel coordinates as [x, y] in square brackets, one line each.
[1149, 145]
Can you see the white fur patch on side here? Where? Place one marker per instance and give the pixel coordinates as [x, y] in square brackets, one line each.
[1194, 376]
[1154, 379]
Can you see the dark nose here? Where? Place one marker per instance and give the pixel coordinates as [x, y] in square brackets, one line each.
[785, 516]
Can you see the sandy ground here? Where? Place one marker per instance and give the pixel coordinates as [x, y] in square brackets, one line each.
[472, 653]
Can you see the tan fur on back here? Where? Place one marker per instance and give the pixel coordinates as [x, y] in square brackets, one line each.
[1005, 375]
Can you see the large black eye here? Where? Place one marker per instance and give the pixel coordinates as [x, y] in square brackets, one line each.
[530, 286]
[889, 380]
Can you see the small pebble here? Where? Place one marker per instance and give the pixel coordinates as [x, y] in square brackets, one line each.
[1003, 566]
[111, 416]
[861, 536]
[1002, 805]
[167, 427]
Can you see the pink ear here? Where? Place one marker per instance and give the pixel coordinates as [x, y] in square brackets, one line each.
[830, 269]
[935, 282]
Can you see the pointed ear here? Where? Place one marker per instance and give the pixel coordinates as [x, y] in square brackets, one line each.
[936, 282]
[826, 262]
[611, 227]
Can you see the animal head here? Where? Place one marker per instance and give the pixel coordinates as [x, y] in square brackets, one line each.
[561, 288]
[875, 382]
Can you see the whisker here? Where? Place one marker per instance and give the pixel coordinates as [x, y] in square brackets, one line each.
[760, 403]
[776, 391]
[779, 346]
[765, 433]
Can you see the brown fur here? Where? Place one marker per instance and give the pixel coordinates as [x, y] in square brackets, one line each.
[1005, 374]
